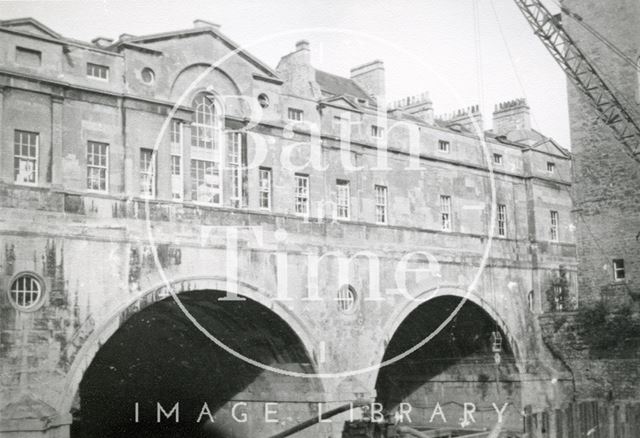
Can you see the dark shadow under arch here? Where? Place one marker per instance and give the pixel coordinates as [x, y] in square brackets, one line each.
[457, 366]
[158, 356]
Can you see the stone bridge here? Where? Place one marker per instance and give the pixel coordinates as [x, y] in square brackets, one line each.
[142, 298]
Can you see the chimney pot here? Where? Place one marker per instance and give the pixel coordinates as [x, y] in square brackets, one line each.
[302, 45]
[102, 41]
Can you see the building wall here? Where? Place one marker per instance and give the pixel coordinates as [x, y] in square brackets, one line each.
[606, 179]
[93, 250]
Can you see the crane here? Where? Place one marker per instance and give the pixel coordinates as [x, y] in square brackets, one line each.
[583, 74]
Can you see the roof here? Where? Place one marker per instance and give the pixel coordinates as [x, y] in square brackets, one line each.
[34, 24]
[339, 86]
[213, 30]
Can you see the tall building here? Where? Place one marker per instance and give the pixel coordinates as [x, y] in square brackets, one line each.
[606, 179]
[123, 166]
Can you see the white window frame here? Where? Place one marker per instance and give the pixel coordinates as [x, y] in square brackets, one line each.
[551, 166]
[444, 146]
[92, 68]
[213, 190]
[301, 196]
[377, 131]
[92, 168]
[343, 199]
[502, 220]
[382, 207]
[618, 267]
[295, 114]
[445, 213]
[147, 174]
[554, 228]
[235, 160]
[205, 126]
[21, 157]
[207, 148]
[264, 188]
[26, 286]
[177, 144]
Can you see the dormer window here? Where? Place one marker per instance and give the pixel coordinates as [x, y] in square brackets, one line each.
[377, 131]
[551, 166]
[295, 114]
[98, 71]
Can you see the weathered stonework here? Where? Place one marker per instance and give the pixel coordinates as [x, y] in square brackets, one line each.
[107, 258]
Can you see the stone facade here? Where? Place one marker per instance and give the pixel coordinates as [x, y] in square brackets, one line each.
[106, 245]
[605, 178]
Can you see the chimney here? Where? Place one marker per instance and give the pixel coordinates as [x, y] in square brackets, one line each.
[511, 116]
[204, 24]
[469, 119]
[419, 105]
[298, 74]
[303, 52]
[370, 77]
[102, 41]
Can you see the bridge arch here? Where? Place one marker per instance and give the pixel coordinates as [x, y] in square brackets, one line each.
[205, 287]
[401, 313]
[459, 366]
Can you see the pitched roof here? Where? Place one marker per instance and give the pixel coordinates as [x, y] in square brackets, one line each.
[34, 24]
[143, 39]
[338, 86]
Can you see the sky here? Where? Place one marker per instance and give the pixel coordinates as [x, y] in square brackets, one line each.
[462, 54]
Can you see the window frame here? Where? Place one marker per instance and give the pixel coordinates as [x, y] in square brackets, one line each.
[92, 67]
[381, 204]
[194, 188]
[343, 199]
[446, 144]
[207, 118]
[377, 131]
[618, 266]
[554, 229]
[297, 112]
[176, 139]
[41, 293]
[498, 159]
[298, 177]
[551, 167]
[35, 158]
[98, 167]
[446, 222]
[261, 188]
[145, 173]
[501, 217]
[235, 162]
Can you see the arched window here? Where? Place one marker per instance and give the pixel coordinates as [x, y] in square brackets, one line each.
[205, 150]
[531, 301]
[205, 127]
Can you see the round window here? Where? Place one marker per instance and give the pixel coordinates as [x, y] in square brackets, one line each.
[26, 292]
[147, 75]
[347, 299]
[263, 100]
